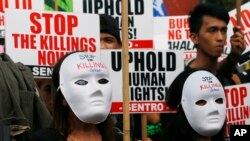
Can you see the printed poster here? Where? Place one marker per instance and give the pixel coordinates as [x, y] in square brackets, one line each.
[47, 36]
[140, 18]
[150, 74]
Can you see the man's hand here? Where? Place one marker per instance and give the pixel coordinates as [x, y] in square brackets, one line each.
[238, 44]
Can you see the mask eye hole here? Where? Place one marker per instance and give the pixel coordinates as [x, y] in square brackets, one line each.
[81, 82]
[219, 100]
[201, 102]
[103, 81]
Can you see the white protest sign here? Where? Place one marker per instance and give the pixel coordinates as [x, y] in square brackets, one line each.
[245, 26]
[140, 17]
[238, 105]
[41, 38]
[150, 74]
[172, 33]
[19, 4]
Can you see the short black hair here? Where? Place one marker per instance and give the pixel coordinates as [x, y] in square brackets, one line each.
[206, 9]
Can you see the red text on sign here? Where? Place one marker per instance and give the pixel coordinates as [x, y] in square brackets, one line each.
[245, 17]
[178, 23]
[236, 96]
[19, 4]
[61, 24]
[24, 41]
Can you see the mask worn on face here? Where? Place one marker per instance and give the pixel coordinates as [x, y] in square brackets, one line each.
[85, 84]
[203, 101]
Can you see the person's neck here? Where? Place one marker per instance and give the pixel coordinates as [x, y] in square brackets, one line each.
[205, 63]
[79, 130]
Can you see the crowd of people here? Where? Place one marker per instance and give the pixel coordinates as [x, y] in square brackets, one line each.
[79, 99]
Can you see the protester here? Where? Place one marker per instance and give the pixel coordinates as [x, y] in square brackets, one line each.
[109, 33]
[82, 101]
[201, 110]
[44, 86]
[109, 39]
[208, 31]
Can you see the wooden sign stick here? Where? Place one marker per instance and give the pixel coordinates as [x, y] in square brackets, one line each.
[125, 71]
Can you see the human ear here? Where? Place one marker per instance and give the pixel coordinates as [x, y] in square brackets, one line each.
[194, 38]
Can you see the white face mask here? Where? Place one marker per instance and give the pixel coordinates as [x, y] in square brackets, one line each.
[85, 84]
[204, 103]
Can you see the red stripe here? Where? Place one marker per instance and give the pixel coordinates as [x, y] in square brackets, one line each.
[142, 107]
[140, 44]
